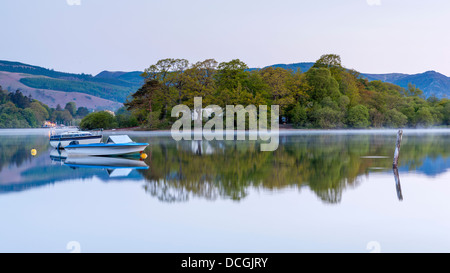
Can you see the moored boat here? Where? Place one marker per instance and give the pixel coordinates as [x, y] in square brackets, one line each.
[117, 145]
[63, 139]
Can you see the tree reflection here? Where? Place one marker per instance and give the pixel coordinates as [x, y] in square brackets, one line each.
[16, 150]
[327, 164]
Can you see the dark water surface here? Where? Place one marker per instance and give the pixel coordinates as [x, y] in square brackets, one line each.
[320, 191]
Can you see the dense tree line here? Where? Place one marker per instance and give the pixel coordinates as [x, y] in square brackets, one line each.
[326, 96]
[109, 120]
[20, 111]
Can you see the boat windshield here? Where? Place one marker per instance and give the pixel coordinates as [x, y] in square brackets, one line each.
[119, 139]
[71, 135]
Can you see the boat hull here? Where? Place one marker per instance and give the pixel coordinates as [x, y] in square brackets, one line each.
[106, 149]
[62, 143]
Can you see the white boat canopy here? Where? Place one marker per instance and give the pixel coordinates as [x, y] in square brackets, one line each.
[119, 139]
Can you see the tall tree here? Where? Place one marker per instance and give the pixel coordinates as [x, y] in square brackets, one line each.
[170, 73]
[322, 84]
[199, 81]
[281, 94]
[71, 107]
[82, 112]
[144, 100]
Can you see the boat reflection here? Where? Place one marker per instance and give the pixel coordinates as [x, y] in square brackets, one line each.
[115, 166]
[58, 155]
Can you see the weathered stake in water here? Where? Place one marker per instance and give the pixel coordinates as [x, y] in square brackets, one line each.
[397, 148]
[395, 164]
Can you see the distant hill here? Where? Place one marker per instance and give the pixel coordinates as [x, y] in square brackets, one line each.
[107, 90]
[303, 67]
[430, 82]
[12, 81]
[133, 77]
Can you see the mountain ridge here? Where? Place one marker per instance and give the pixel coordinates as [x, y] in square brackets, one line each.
[110, 89]
[431, 82]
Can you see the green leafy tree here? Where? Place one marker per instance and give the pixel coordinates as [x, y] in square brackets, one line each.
[413, 91]
[395, 119]
[40, 112]
[98, 120]
[170, 74]
[326, 117]
[446, 112]
[62, 117]
[3, 95]
[149, 98]
[19, 99]
[328, 61]
[333, 63]
[299, 116]
[29, 116]
[358, 116]
[125, 119]
[199, 82]
[322, 84]
[424, 117]
[280, 93]
[350, 87]
[71, 107]
[82, 112]
[230, 74]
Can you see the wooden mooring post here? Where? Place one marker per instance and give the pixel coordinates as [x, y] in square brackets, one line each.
[395, 165]
[397, 148]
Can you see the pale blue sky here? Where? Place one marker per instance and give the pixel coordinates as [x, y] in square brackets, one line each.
[387, 36]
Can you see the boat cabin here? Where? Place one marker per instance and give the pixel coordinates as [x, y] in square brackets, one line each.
[119, 139]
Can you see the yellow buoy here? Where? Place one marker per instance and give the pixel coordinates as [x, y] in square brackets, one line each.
[143, 155]
[33, 152]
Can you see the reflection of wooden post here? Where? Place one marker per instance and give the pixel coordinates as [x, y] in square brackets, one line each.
[397, 184]
[397, 148]
[395, 164]
[199, 148]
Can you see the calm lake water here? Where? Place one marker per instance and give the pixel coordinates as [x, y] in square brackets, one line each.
[320, 191]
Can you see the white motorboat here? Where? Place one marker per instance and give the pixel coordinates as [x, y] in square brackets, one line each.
[117, 145]
[63, 139]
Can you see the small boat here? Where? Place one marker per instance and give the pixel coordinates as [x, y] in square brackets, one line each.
[117, 145]
[62, 140]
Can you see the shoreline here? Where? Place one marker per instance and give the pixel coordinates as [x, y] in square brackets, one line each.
[283, 131]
